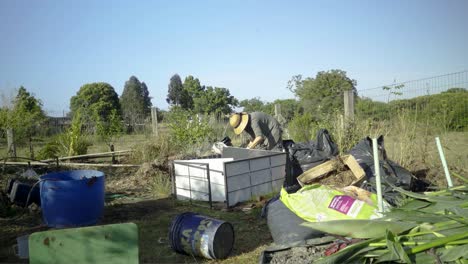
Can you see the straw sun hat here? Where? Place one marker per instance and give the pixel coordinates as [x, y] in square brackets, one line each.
[239, 121]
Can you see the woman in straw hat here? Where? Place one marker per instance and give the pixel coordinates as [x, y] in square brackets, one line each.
[264, 130]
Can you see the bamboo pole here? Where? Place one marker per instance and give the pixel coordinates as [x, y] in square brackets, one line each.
[378, 180]
[444, 162]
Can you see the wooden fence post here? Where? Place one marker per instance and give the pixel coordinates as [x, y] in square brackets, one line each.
[349, 105]
[154, 120]
[11, 143]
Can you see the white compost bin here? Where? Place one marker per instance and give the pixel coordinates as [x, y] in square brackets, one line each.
[237, 176]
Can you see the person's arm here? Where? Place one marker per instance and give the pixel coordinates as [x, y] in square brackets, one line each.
[255, 142]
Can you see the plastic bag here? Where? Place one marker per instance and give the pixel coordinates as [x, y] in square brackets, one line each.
[317, 203]
[390, 171]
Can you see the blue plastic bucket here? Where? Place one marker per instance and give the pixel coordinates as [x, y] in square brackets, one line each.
[72, 198]
[202, 236]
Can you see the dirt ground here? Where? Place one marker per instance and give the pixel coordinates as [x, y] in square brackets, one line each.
[127, 200]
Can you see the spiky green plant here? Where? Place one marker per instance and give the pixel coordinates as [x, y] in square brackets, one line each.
[430, 227]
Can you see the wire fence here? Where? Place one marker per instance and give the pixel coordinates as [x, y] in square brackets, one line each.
[415, 88]
[440, 101]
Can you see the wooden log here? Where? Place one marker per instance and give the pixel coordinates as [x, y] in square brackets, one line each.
[72, 164]
[23, 163]
[318, 171]
[69, 164]
[354, 166]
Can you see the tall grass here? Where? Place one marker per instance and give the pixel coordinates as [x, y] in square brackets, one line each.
[409, 139]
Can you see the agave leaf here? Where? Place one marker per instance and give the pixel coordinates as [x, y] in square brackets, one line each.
[454, 253]
[347, 254]
[416, 216]
[396, 249]
[465, 180]
[446, 232]
[426, 197]
[361, 228]
[463, 212]
[439, 207]
[423, 257]
[414, 205]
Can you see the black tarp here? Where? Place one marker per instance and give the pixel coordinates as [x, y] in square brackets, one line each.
[303, 156]
[391, 172]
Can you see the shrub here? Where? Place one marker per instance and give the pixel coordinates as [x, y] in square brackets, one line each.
[189, 130]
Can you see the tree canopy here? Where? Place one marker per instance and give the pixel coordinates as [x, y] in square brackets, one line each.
[95, 99]
[135, 101]
[215, 100]
[324, 93]
[191, 89]
[24, 116]
[175, 91]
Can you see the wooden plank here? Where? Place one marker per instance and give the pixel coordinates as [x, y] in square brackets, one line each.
[318, 171]
[354, 166]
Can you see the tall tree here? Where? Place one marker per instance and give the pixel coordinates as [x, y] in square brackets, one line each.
[324, 93]
[95, 99]
[252, 105]
[191, 89]
[27, 112]
[215, 101]
[175, 91]
[135, 101]
[146, 99]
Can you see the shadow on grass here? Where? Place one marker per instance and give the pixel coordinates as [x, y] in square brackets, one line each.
[154, 217]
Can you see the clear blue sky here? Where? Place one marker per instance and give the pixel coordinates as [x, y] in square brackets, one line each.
[250, 47]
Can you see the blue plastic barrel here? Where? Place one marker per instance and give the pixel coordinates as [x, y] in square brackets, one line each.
[202, 236]
[72, 198]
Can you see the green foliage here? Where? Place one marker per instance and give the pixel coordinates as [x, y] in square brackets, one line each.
[73, 142]
[24, 116]
[436, 225]
[135, 102]
[446, 109]
[187, 130]
[252, 105]
[175, 91]
[92, 98]
[324, 93]
[366, 108]
[301, 127]
[191, 89]
[215, 101]
[157, 149]
[192, 96]
[109, 130]
[456, 90]
[49, 150]
[289, 107]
